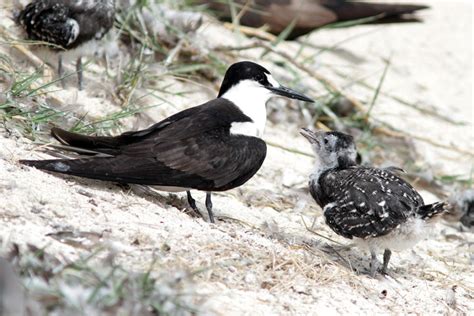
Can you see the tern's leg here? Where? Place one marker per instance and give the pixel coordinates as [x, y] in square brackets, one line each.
[61, 70]
[386, 258]
[209, 207]
[192, 203]
[79, 72]
[373, 263]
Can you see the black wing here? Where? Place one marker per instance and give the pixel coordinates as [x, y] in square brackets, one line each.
[365, 202]
[191, 149]
[307, 15]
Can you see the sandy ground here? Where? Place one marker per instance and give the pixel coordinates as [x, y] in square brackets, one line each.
[259, 259]
[431, 67]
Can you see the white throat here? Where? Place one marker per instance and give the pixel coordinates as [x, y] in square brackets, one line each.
[319, 168]
[328, 161]
[251, 98]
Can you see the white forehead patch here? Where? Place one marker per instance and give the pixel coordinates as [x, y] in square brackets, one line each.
[272, 81]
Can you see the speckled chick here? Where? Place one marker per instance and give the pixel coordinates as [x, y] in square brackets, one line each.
[68, 25]
[375, 207]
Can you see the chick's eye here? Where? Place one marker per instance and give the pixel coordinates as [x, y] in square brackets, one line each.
[326, 141]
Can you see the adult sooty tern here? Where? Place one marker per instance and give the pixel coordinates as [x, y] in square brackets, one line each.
[74, 26]
[307, 15]
[215, 146]
[374, 206]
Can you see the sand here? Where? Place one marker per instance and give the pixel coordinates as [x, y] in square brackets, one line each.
[259, 259]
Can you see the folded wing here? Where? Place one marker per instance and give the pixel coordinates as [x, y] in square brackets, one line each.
[191, 149]
[368, 202]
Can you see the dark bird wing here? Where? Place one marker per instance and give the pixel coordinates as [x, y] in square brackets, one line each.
[191, 149]
[307, 14]
[276, 14]
[367, 202]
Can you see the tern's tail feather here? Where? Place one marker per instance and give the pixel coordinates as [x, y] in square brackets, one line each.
[432, 210]
[100, 168]
[87, 167]
[123, 169]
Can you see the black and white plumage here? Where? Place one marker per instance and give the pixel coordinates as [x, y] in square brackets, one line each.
[374, 206]
[68, 25]
[215, 146]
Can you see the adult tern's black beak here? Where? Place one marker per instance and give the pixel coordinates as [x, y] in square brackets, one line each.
[289, 93]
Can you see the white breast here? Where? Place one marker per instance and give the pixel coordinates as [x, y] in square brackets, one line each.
[250, 98]
[245, 128]
[403, 237]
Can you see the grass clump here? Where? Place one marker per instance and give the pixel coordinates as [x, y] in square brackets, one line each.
[94, 284]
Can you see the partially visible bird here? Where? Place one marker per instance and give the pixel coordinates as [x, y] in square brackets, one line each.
[308, 15]
[68, 25]
[461, 208]
[374, 206]
[215, 146]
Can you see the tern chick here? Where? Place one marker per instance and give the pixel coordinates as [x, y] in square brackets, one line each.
[373, 206]
[68, 25]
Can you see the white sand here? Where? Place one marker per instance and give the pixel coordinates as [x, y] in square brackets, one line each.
[265, 261]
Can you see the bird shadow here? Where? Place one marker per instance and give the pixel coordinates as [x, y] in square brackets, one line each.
[351, 258]
[142, 191]
[341, 255]
[347, 256]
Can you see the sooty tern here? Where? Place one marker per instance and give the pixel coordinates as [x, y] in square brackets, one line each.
[307, 15]
[374, 206]
[215, 146]
[74, 26]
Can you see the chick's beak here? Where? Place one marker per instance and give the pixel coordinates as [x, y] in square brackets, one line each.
[311, 136]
